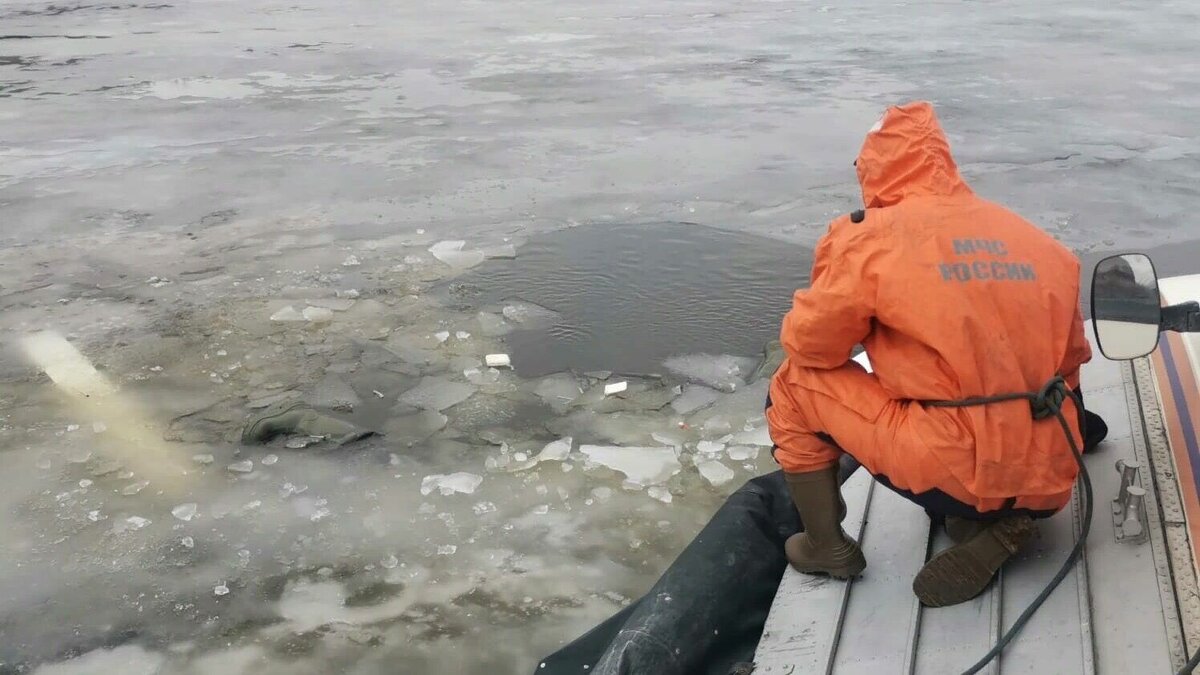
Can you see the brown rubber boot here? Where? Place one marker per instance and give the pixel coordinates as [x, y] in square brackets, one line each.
[962, 530]
[823, 547]
[964, 570]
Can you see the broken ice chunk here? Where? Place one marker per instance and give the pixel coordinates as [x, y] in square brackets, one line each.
[220, 589]
[710, 448]
[334, 393]
[556, 450]
[760, 437]
[462, 335]
[136, 522]
[529, 315]
[338, 304]
[715, 472]
[99, 427]
[725, 373]
[188, 542]
[541, 509]
[447, 549]
[492, 325]
[497, 361]
[641, 466]
[288, 313]
[717, 425]
[615, 388]
[270, 460]
[448, 484]
[389, 563]
[451, 253]
[483, 507]
[317, 314]
[442, 336]
[185, 512]
[244, 466]
[437, 393]
[558, 391]
[134, 488]
[741, 453]
[501, 252]
[694, 397]
[477, 376]
[351, 261]
[660, 493]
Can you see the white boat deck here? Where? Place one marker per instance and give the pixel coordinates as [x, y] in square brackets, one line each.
[1107, 616]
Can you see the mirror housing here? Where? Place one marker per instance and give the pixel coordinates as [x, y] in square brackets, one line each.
[1127, 312]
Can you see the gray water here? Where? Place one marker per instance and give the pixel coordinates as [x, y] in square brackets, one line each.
[629, 297]
[174, 174]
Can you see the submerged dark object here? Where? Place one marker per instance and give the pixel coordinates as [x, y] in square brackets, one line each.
[706, 613]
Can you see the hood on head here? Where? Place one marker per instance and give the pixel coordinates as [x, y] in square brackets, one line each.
[906, 155]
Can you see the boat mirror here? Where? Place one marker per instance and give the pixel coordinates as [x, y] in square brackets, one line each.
[1126, 306]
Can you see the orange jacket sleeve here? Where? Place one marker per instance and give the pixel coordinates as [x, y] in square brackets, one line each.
[834, 314]
[1079, 350]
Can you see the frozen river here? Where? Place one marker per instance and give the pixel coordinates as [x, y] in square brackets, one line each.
[227, 205]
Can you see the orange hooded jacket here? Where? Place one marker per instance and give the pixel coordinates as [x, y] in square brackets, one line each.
[952, 296]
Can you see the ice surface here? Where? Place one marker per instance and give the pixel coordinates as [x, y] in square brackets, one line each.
[642, 466]
[529, 315]
[437, 393]
[694, 397]
[185, 512]
[715, 472]
[452, 254]
[287, 314]
[126, 660]
[448, 484]
[724, 373]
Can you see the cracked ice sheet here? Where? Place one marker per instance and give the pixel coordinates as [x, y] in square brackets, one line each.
[724, 373]
[642, 466]
[437, 393]
[451, 253]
